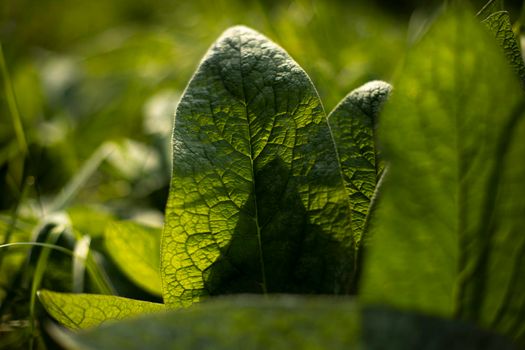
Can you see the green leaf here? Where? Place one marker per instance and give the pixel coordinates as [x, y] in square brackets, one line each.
[499, 24]
[80, 311]
[247, 322]
[136, 250]
[353, 124]
[448, 234]
[257, 202]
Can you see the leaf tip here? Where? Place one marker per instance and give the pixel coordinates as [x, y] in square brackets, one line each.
[239, 29]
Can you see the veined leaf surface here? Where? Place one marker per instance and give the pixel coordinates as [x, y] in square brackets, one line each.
[499, 24]
[448, 236]
[257, 202]
[79, 311]
[353, 122]
[136, 250]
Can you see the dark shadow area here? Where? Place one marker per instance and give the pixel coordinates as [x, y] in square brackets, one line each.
[408, 330]
[298, 256]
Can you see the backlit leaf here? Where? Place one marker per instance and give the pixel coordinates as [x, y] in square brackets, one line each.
[136, 250]
[79, 311]
[257, 202]
[353, 124]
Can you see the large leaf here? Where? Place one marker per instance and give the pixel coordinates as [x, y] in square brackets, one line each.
[247, 322]
[448, 236]
[136, 250]
[79, 311]
[353, 123]
[257, 202]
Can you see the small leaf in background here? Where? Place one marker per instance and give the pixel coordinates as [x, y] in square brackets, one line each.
[90, 220]
[158, 112]
[353, 122]
[79, 311]
[133, 159]
[136, 250]
[241, 322]
[447, 237]
[499, 24]
[257, 203]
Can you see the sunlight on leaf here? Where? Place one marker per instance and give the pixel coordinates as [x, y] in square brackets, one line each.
[79, 311]
[353, 123]
[257, 203]
[136, 250]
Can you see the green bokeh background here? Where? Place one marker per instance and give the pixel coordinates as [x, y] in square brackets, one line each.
[91, 73]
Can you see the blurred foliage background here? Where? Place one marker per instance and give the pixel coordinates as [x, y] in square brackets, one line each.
[94, 84]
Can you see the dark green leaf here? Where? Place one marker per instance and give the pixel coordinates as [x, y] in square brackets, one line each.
[257, 202]
[247, 322]
[353, 124]
[448, 235]
[79, 311]
[399, 330]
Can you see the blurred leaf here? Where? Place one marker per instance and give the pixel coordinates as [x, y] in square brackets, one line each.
[90, 220]
[398, 330]
[257, 203]
[134, 160]
[247, 322]
[158, 112]
[353, 124]
[79, 311]
[447, 238]
[136, 250]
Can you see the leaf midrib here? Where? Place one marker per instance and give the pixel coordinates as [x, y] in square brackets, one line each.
[252, 168]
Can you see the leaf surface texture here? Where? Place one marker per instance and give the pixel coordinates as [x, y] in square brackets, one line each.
[353, 122]
[257, 202]
[80, 311]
